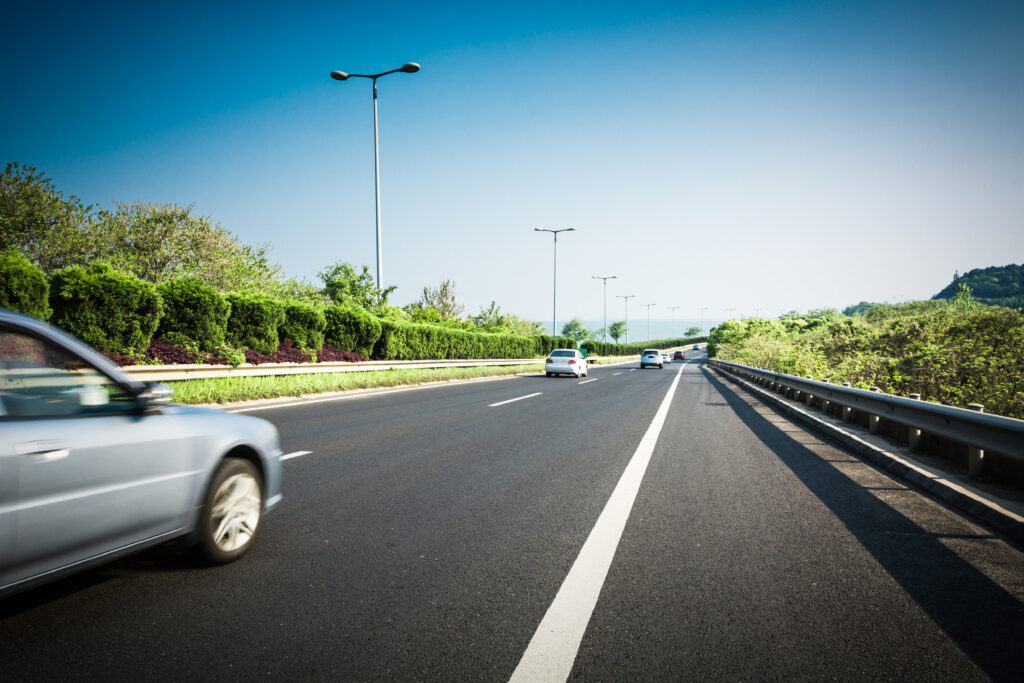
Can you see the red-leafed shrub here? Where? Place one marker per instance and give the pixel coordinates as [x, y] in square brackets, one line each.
[332, 354]
[286, 353]
[169, 354]
[120, 359]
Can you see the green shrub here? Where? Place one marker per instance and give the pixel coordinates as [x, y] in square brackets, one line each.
[596, 348]
[195, 314]
[351, 328]
[105, 308]
[412, 341]
[304, 324]
[23, 286]
[254, 321]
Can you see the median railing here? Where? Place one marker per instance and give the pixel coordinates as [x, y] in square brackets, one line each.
[991, 441]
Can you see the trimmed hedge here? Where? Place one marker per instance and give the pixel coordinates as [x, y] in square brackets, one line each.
[105, 308]
[414, 341]
[351, 328]
[596, 348]
[23, 286]
[304, 324]
[194, 314]
[254, 321]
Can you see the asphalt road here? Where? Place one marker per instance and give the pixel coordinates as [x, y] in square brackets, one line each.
[426, 534]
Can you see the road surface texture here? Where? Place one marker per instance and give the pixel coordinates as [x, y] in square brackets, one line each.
[632, 525]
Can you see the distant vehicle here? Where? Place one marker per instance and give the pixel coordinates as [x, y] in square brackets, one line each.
[696, 347]
[94, 465]
[679, 355]
[566, 362]
[651, 357]
[666, 358]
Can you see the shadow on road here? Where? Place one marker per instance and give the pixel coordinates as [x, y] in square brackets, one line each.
[982, 618]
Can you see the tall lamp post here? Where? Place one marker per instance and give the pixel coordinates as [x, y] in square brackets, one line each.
[606, 279]
[554, 279]
[409, 68]
[626, 298]
[702, 318]
[673, 308]
[648, 321]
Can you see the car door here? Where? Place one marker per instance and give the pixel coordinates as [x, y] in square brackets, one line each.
[91, 473]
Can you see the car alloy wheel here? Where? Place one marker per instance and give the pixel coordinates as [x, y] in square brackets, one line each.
[231, 513]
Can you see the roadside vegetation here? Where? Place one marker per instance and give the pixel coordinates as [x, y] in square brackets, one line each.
[954, 352]
[157, 284]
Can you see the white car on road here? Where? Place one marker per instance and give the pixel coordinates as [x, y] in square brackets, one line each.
[566, 362]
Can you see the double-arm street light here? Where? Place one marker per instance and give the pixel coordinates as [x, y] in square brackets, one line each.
[554, 279]
[648, 321]
[674, 320]
[626, 298]
[409, 68]
[606, 279]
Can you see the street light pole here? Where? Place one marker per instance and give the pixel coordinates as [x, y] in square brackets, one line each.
[554, 280]
[626, 300]
[673, 320]
[409, 68]
[648, 321]
[606, 279]
[702, 318]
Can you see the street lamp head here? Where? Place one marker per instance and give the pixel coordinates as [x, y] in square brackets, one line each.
[339, 75]
[410, 67]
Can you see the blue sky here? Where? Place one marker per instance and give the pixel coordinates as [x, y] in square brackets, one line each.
[751, 156]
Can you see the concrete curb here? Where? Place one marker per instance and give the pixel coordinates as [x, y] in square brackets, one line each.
[975, 503]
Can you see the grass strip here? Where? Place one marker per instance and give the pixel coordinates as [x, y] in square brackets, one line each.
[235, 389]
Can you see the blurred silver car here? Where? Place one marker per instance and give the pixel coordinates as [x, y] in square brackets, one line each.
[651, 357]
[94, 465]
[566, 362]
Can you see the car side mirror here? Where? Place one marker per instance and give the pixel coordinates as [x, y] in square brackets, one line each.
[153, 392]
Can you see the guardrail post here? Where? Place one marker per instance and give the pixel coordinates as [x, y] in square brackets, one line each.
[826, 405]
[873, 420]
[914, 435]
[975, 456]
[810, 396]
[847, 410]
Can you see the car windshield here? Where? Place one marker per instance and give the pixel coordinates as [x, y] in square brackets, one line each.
[563, 354]
[650, 353]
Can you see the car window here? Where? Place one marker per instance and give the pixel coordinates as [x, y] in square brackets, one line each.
[650, 352]
[563, 354]
[40, 379]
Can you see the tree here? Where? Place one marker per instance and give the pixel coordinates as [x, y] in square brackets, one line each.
[343, 285]
[617, 330]
[36, 219]
[693, 331]
[575, 330]
[165, 241]
[444, 300]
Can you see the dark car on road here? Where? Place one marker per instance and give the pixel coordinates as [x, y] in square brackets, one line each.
[678, 355]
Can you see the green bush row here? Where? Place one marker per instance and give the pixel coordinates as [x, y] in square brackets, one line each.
[121, 313]
[596, 348]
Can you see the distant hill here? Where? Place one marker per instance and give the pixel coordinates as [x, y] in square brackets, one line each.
[995, 285]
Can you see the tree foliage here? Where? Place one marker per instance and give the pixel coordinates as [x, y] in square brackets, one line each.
[617, 330]
[343, 285]
[37, 220]
[23, 287]
[575, 330]
[995, 285]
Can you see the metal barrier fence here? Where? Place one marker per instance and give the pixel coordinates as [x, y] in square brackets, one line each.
[980, 432]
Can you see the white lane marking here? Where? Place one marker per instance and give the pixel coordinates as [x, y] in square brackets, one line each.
[296, 454]
[590, 380]
[367, 393]
[632, 369]
[616, 373]
[553, 648]
[513, 400]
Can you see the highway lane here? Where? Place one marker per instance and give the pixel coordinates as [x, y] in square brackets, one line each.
[426, 534]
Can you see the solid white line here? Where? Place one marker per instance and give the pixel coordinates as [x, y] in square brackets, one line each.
[553, 648]
[513, 400]
[590, 380]
[296, 454]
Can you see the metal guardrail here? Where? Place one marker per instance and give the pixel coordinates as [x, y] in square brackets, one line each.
[979, 431]
[163, 373]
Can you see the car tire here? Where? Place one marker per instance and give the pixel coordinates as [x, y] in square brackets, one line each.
[231, 512]
[547, 374]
